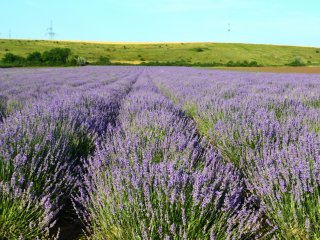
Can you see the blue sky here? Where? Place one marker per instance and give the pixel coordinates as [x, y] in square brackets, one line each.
[288, 22]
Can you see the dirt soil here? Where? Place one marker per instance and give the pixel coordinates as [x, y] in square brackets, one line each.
[311, 70]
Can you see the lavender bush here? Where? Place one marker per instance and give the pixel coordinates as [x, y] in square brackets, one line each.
[23, 216]
[38, 157]
[287, 181]
[150, 180]
[41, 147]
[267, 126]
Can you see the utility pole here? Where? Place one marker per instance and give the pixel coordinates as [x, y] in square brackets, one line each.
[229, 27]
[50, 31]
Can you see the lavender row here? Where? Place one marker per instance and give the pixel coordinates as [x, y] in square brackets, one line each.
[26, 87]
[40, 151]
[154, 178]
[268, 126]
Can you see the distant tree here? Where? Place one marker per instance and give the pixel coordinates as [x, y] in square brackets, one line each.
[245, 63]
[199, 49]
[253, 64]
[34, 58]
[230, 64]
[56, 56]
[297, 62]
[103, 61]
[10, 58]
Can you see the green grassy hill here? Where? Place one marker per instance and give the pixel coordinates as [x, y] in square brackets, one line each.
[135, 53]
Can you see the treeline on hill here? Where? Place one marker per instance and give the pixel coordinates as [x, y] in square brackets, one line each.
[64, 57]
[53, 57]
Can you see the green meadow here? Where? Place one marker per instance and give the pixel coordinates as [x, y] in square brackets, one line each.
[189, 53]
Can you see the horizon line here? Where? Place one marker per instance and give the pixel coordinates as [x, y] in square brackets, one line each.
[154, 42]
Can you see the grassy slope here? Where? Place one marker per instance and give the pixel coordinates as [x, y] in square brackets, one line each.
[135, 52]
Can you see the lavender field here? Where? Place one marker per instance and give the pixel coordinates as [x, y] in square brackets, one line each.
[158, 153]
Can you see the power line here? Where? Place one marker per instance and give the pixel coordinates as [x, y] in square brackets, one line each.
[50, 31]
